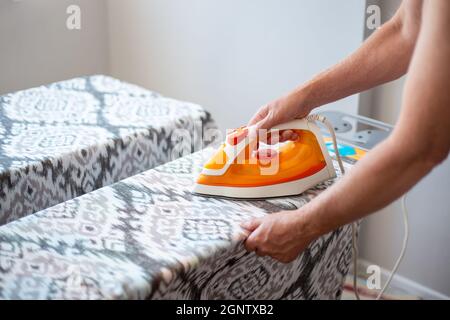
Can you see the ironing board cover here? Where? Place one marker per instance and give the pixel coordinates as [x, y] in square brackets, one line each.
[65, 139]
[149, 237]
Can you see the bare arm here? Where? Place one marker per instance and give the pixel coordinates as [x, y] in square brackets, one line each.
[420, 141]
[383, 57]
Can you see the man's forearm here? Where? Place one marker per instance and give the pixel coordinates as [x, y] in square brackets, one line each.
[383, 57]
[373, 183]
[420, 141]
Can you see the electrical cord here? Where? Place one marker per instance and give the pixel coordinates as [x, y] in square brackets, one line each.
[322, 119]
[402, 252]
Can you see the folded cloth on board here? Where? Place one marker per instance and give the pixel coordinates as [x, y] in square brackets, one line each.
[149, 237]
[65, 139]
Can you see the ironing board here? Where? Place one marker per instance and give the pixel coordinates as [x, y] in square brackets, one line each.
[149, 237]
[65, 139]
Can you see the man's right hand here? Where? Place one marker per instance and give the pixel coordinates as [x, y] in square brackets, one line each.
[280, 111]
[383, 57]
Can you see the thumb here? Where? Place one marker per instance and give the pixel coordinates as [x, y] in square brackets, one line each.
[264, 124]
[269, 121]
[252, 224]
[260, 115]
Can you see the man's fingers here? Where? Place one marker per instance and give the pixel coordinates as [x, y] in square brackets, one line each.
[244, 233]
[288, 135]
[256, 118]
[260, 115]
[237, 136]
[250, 243]
[281, 136]
[260, 252]
[252, 224]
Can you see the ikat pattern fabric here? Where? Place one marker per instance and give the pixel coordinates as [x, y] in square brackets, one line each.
[150, 237]
[66, 139]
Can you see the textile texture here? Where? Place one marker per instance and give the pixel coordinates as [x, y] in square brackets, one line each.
[66, 139]
[150, 237]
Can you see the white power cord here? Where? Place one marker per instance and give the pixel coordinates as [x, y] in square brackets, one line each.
[402, 252]
[322, 119]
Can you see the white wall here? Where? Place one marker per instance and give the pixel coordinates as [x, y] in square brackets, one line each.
[427, 260]
[36, 47]
[231, 56]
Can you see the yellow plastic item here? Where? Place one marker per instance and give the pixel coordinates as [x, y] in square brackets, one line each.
[296, 160]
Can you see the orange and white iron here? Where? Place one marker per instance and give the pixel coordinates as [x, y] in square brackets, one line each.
[288, 168]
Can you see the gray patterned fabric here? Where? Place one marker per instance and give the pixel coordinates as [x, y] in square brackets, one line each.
[60, 141]
[149, 237]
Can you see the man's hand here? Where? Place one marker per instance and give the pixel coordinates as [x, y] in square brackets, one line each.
[383, 57]
[280, 111]
[280, 235]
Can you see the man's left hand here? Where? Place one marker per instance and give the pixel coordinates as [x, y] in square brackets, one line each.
[280, 235]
